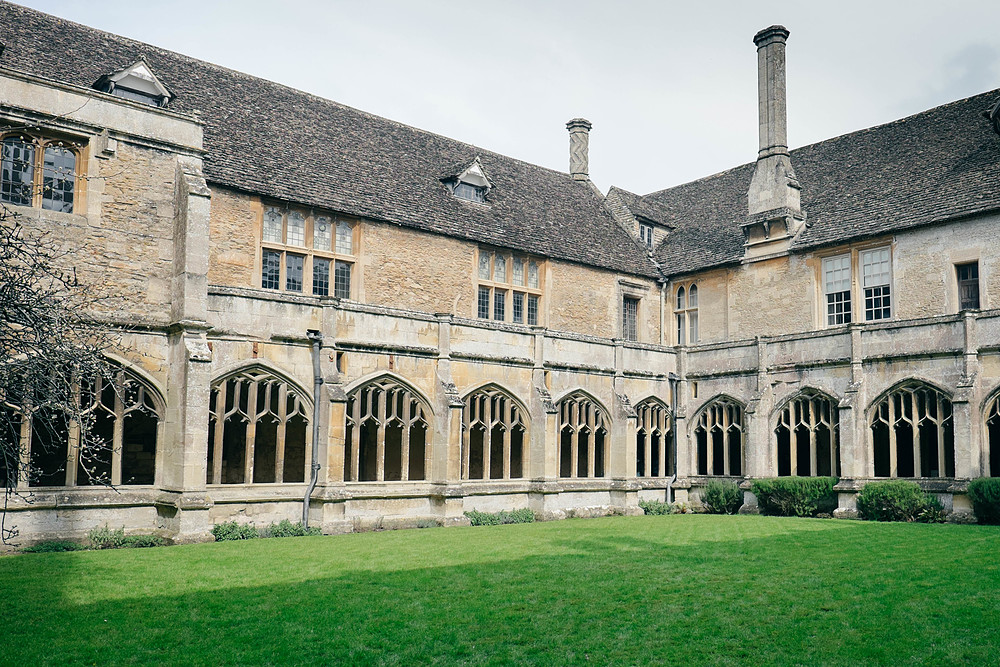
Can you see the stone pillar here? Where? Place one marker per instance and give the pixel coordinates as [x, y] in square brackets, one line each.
[184, 509]
[969, 451]
[579, 148]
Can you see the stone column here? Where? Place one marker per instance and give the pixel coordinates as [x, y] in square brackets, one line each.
[184, 509]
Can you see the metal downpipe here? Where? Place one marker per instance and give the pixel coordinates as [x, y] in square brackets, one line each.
[316, 338]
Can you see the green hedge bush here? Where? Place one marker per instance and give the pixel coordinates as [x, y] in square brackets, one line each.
[286, 528]
[53, 546]
[656, 507]
[795, 496]
[984, 493]
[231, 530]
[898, 500]
[721, 497]
[105, 538]
[502, 517]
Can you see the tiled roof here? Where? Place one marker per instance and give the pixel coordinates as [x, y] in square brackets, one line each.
[269, 139]
[934, 166]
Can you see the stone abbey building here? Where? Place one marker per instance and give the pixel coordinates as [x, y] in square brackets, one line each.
[438, 328]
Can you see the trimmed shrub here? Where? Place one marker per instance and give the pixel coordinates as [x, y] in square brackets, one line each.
[898, 500]
[721, 497]
[234, 531]
[655, 507]
[984, 493]
[502, 517]
[286, 528]
[795, 496]
[105, 538]
[143, 541]
[53, 546]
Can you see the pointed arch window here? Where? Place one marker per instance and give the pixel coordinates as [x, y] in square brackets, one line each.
[719, 438]
[583, 436]
[993, 436]
[913, 433]
[123, 416]
[494, 436]
[807, 437]
[653, 452]
[387, 429]
[258, 430]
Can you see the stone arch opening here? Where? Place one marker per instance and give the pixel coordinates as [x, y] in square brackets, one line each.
[807, 436]
[719, 438]
[110, 440]
[912, 433]
[387, 433]
[258, 429]
[494, 435]
[992, 420]
[583, 434]
[653, 452]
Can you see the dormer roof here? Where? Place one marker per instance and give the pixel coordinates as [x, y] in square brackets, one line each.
[136, 82]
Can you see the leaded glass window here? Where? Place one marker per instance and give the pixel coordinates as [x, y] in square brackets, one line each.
[301, 249]
[38, 172]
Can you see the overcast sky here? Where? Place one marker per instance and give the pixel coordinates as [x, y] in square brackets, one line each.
[670, 87]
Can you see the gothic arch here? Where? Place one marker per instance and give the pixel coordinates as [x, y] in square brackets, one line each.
[378, 376]
[991, 425]
[584, 429]
[653, 452]
[158, 391]
[806, 428]
[258, 427]
[125, 411]
[388, 427]
[495, 427]
[264, 366]
[719, 434]
[912, 432]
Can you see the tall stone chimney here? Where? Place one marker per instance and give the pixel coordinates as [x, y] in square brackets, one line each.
[774, 213]
[579, 148]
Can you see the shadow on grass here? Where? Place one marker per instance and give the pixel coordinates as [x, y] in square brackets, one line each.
[596, 592]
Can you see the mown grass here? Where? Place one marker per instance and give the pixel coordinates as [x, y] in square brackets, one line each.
[675, 589]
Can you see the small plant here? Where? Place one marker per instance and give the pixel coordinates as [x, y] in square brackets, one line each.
[795, 496]
[105, 538]
[898, 500]
[984, 493]
[681, 508]
[502, 517]
[427, 523]
[721, 497]
[286, 528]
[234, 531]
[656, 507]
[53, 546]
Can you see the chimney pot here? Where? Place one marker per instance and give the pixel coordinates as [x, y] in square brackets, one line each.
[579, 148]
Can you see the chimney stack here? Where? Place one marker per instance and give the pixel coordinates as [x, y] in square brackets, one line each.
[579, 145]
[774, 186]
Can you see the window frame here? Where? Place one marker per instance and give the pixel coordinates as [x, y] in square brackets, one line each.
[646, 235]
[976, 281]
[685, 315]
[630, 329]
[531, 297]
[307, 251]
[858, 311]
[40, 143]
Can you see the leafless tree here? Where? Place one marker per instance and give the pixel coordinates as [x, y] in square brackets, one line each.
[51, 362]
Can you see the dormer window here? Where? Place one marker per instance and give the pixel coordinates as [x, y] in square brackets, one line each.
[470, 192]
[646, 234]
[137, 83]
[470, 184]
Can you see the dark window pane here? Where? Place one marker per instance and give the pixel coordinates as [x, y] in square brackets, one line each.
[321, 276]
[630, 319]
[838, 307]
[342, 280]
[293, 272]
[470, 192]
[483, 304]
[18, 171]
[517, 307]
[877, 303]
[532, 310]
[58, 179]
[499, 301]
[968, 285]
[271, 270]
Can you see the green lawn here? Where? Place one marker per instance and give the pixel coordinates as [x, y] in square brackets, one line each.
[682, 589]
